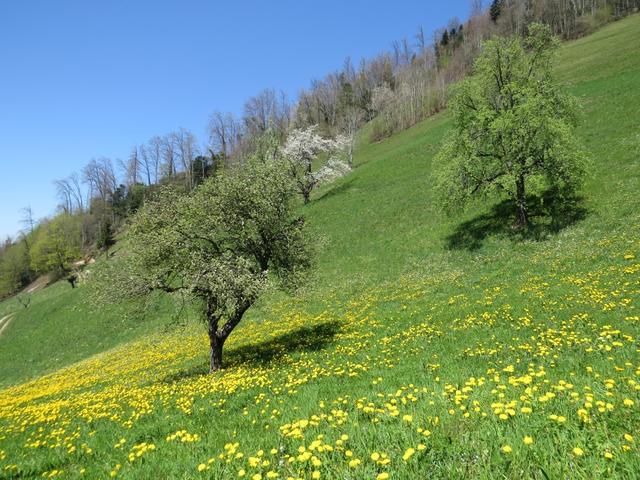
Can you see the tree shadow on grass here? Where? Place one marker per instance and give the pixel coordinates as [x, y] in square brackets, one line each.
[303, 339]
[549, 214]
[335, 190]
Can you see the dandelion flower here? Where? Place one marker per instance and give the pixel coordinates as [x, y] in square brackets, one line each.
[408, 454]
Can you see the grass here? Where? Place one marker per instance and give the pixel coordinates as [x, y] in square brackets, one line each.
[426, 346]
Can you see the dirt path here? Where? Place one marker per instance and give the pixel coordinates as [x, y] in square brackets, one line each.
[4, 321]
[38, 284]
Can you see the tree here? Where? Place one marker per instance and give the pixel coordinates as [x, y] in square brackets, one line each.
[514, 127]
[495, 9]
[105, 239]
[15, 271]
[154, 151]
[57, 244]
[100, 177]
[302, 148]
[224, 133]
[221, 245]
[27, 220]
[351, 121]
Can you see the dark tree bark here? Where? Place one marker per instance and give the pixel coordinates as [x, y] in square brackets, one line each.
[217, 336]
[521, 202]
[306, 196]
[215, 355]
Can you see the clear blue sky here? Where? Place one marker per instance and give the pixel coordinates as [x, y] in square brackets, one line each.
[83, 79]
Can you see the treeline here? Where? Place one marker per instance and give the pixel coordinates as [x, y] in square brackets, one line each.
[401, 87]
[393, 91]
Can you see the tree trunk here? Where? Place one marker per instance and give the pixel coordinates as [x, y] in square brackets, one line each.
[217, 336]
[521, 201]
[215, 355]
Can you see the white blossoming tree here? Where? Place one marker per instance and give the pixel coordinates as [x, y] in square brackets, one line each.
[303, 148]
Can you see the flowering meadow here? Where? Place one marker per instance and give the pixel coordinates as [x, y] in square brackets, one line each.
[424, 377]
[408, 357]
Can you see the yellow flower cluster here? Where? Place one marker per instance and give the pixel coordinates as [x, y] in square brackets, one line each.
[387, 383]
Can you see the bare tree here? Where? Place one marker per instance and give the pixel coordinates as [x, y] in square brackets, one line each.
[351, 121]
[224, 133]
[186, 150]
[259, 111]
[168, 155]
[145, 163]
[476, 8]
[26, 219]
[63, 192]
[75, 187]
[131, 168]
[100, 177]
[154, 151]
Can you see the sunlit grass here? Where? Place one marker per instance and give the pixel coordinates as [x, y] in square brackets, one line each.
[408, 355]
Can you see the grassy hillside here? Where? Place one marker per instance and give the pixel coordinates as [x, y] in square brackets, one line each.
[426, 347]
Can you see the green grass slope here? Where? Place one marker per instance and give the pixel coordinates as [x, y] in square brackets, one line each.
[426, 347]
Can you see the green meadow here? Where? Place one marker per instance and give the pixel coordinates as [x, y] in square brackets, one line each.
[423, 345]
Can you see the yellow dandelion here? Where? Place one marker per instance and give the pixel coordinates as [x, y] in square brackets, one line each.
[408, 454]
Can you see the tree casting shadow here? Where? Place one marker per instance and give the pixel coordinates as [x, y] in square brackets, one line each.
[549, 214]
[303, 339]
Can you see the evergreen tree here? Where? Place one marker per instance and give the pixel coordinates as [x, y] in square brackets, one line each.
[495, 10]
[105, 239]
[445, 38]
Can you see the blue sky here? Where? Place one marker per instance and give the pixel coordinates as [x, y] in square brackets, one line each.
[83, 79]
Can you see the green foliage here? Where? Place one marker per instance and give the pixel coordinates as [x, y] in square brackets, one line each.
[15, 271]
[377, 229]
[56, 244]
[105, 239]
[514, 127]
[221, 245]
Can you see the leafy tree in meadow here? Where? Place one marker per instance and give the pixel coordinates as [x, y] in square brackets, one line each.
[513, 127]
[221, 245]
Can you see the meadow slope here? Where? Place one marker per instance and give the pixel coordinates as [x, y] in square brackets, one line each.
[426, 346]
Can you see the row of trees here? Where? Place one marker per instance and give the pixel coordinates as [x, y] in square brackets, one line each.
[402, 86]
[95, 202]
[223, 244]
[393, 90]
[49, 246]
